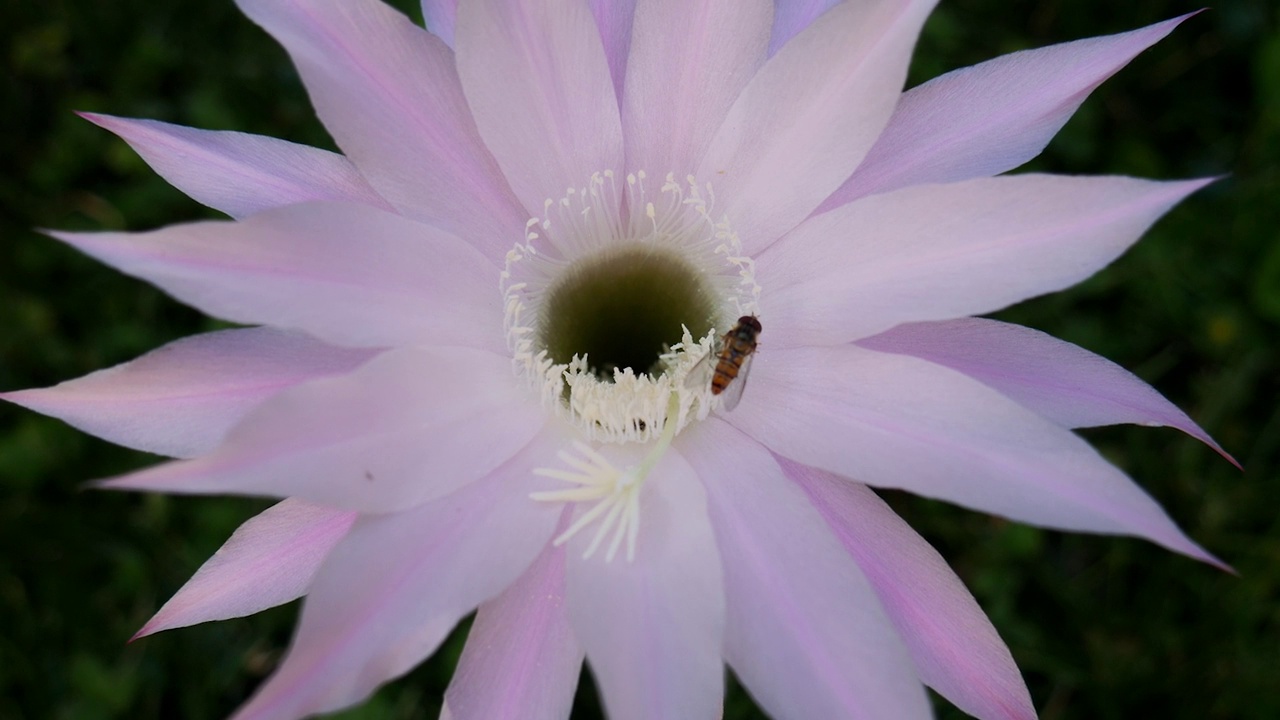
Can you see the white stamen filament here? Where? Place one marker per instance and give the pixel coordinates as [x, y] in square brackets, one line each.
[617, 492]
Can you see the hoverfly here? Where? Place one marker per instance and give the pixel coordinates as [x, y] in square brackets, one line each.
[728, 375]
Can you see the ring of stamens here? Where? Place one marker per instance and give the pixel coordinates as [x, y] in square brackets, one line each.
[588, 229]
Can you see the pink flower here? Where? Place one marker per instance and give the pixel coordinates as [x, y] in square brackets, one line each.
[465, 407]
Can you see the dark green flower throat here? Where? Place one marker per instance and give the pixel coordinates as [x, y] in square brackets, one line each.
[623, 308]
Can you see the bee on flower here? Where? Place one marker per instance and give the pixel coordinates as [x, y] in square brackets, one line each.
[732, 363]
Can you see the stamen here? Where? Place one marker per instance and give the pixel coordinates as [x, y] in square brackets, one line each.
[617, 492]
[608, 218]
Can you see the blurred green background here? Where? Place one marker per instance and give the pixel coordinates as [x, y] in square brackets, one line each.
[1101, 627]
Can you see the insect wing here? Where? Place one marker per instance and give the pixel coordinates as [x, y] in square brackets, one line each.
[699, 376]
[733, 393]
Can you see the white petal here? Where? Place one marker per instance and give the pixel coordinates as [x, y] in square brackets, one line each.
[899, 422]
[238, 173]
[409, 426]
[536, 77]
[653, 628]
[391, 591]
[348, 274]
[441, 17]
[688, 63]
[614, 19]
[810, 115]
[521, 660]
[268, 561]
[805, 633]
[792, 16]
[181, 399]
[388, 92]
[983, 120]
[1063, 382]
[954, 647]
[937, 252]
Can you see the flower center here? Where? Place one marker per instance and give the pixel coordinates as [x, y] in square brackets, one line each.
[614, 303]
[624, 307]
[614, 296]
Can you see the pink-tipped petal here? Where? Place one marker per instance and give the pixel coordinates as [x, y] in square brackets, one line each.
[992, 117]
[409, 426]
[805, 631]
[237, 173]
[521, 660]
[689, 61]
[348, 274]
[388, 92]
[1061, 381]
[536, 77]
[900, 422]
[792, 16]
[268, 561]
[653, 627]
[181, 399]
[614, 20]
[810, 115]
[441, 18]
[955, 649]
[391, 591]
[938, 252]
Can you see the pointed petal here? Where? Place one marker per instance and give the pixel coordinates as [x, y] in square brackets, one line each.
[180, 400]
[388, 93]
[241, 174]
[938, 252]
[348, 274]
[899, 422]
[688, 63]
[521, 660]
[805, 631]
[653, 628]
[536, 77]
[1062, 382]
[268, 561]
[613, 20]
[992, 117]
[410, 425]
[810, 115]
[391, 591]
[792, 16]
[955, 649]
[441, 17]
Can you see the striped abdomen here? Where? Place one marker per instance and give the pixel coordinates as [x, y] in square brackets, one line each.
[739, 343]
